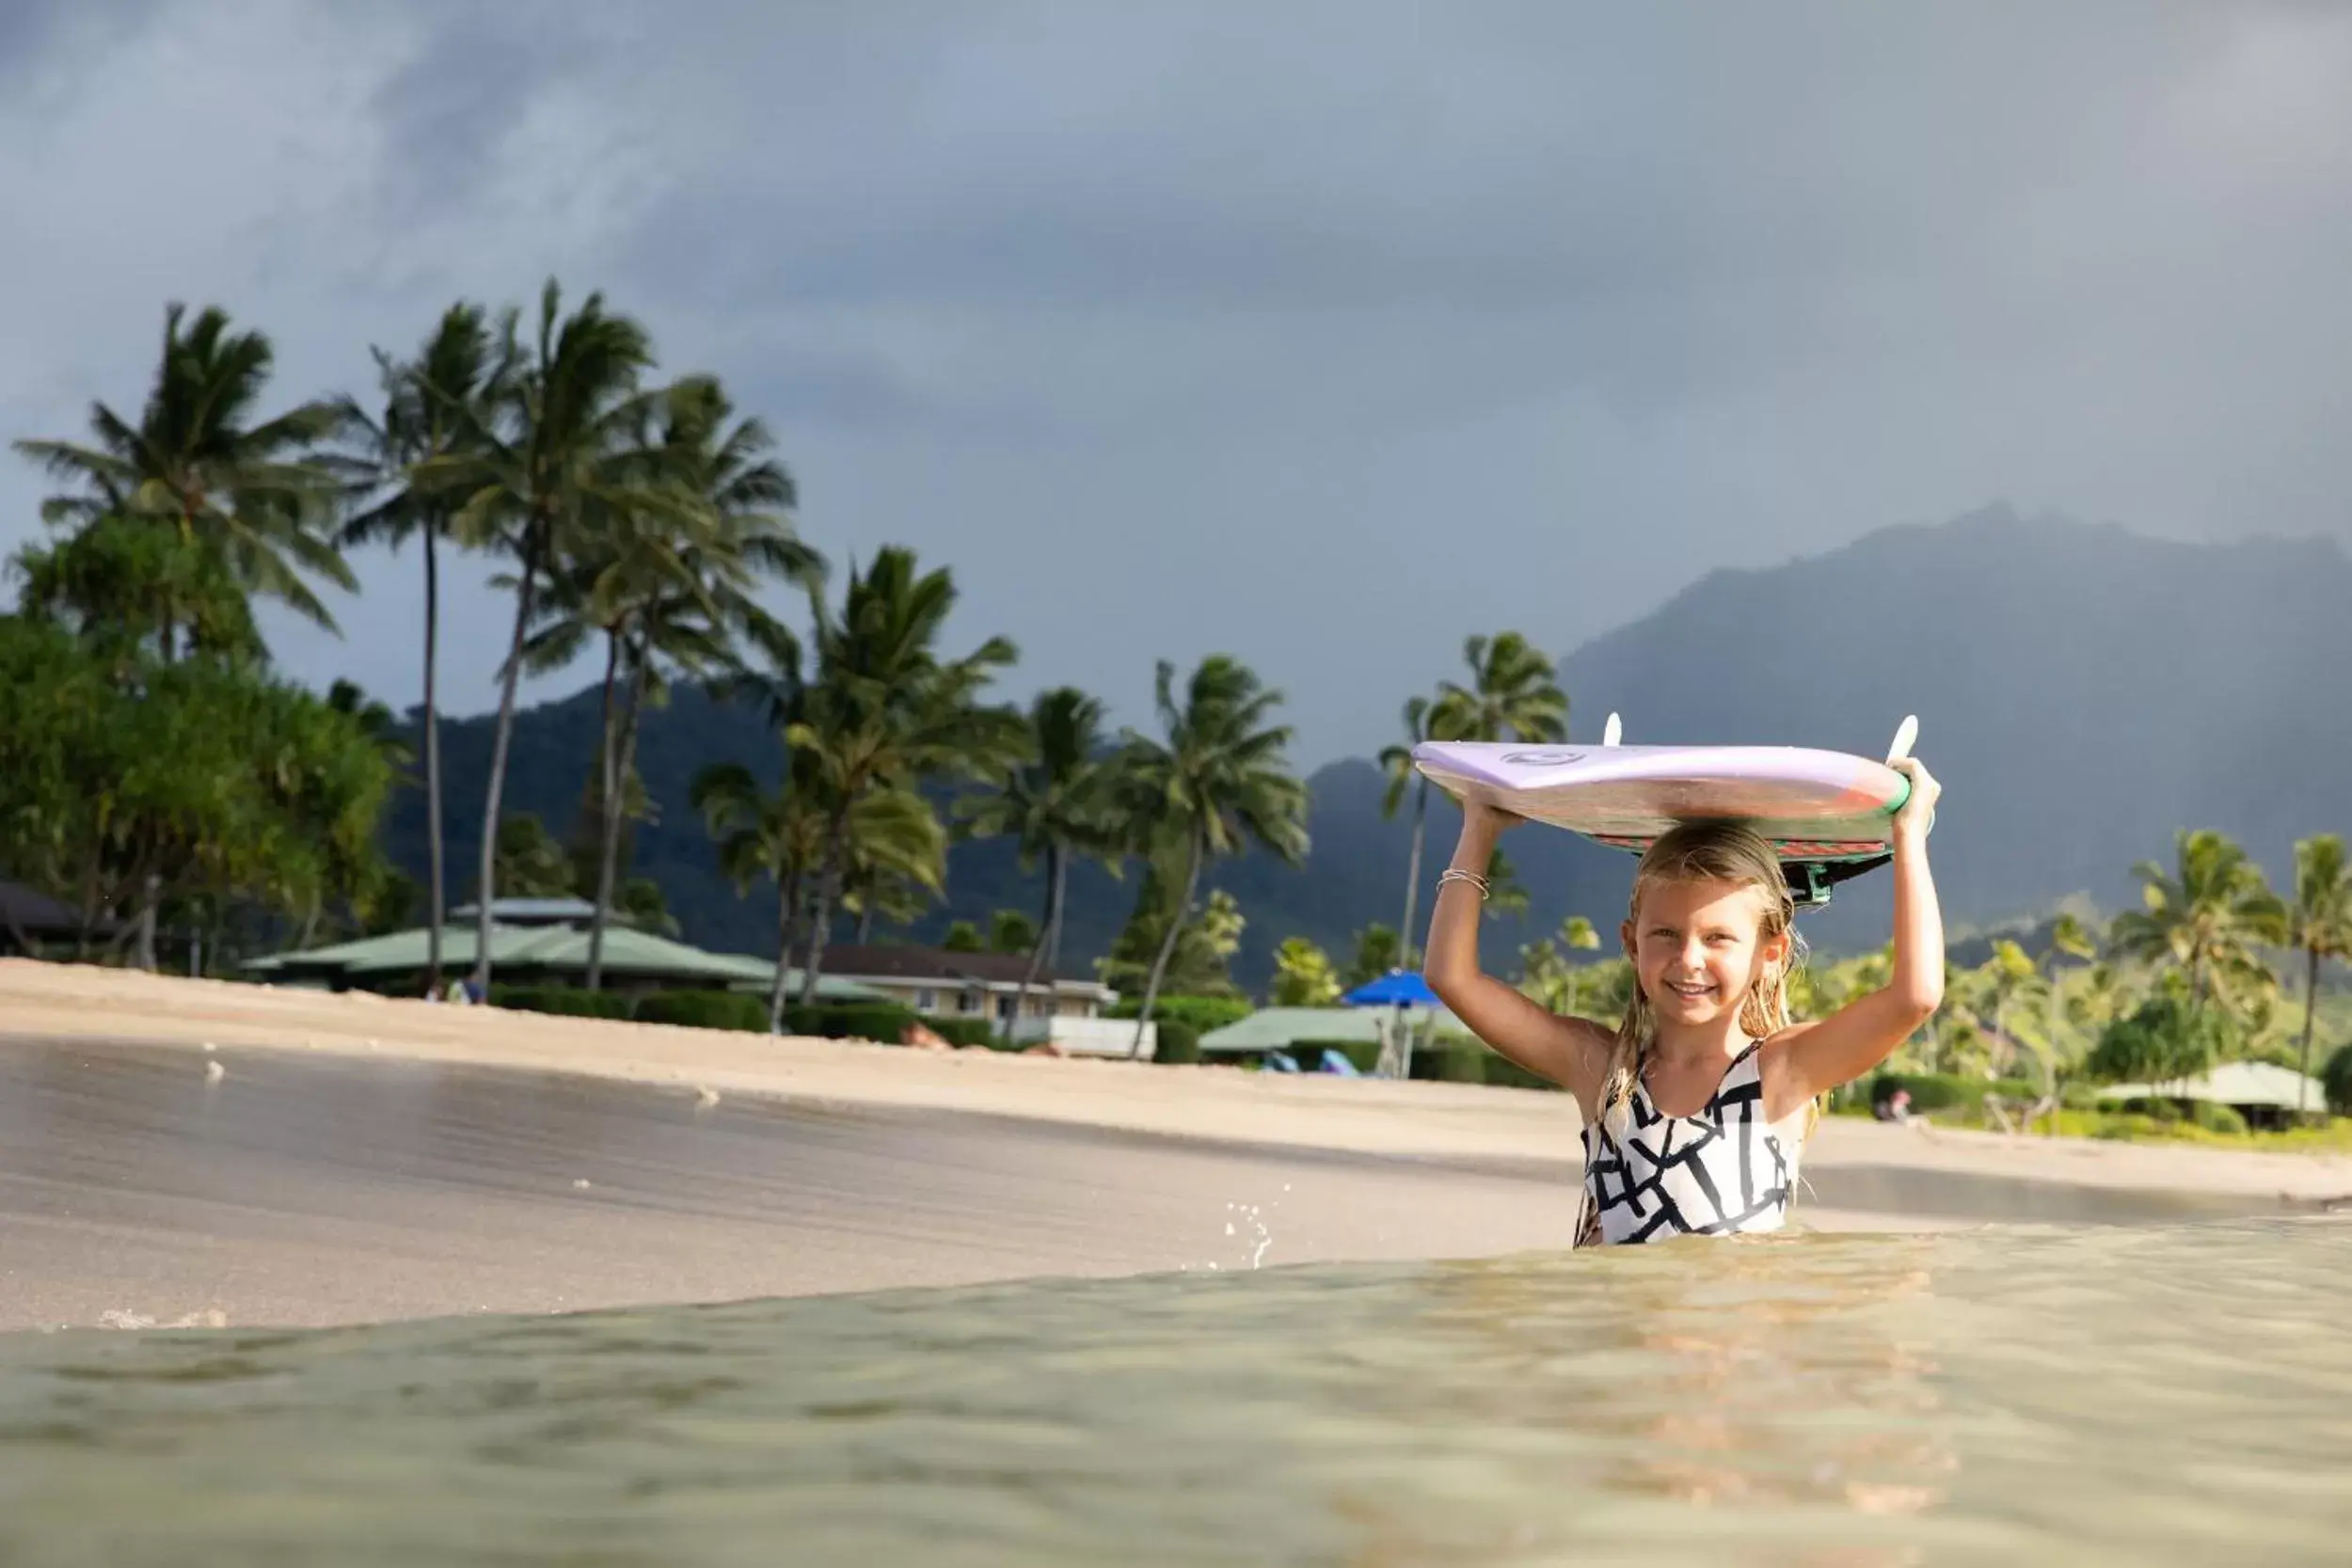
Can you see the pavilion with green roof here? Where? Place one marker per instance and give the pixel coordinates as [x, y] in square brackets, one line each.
[536, 955]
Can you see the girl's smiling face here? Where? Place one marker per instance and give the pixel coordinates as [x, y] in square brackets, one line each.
[1698, 947]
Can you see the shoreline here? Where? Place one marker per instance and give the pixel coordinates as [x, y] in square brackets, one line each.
[343, 1159]
[55, 1002]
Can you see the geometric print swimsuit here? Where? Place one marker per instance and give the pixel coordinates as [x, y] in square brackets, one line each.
[1719, 1172]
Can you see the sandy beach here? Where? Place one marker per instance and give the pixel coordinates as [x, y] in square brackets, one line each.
[342, 1158]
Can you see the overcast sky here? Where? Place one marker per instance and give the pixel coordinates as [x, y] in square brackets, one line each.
[1325, 334]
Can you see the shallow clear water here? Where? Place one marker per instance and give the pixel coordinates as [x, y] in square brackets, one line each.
[2179, 1394]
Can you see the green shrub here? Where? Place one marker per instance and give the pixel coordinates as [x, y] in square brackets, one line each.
[2166, 1039]
[2336, 1078]
[866, 1020]
[1506, 1073]
[2126, 1127]
[1178, 1043]
[1203, 1013]
[2217, 1119]
[1448, 1063]
[706, 1009]
[2152, 1107]
[564, 1001]
[1942, 1091]
[969, 1029]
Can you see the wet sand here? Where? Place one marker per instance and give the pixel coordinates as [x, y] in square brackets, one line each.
[1363, 1116]
[299, 1191]
[136, 1187]
[357, 1158]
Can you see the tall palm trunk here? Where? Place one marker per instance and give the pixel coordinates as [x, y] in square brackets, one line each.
[438, 892]
[598, 787]
[503, 740]
[1412, 874]
[828, 895]
[620, 759]
[86, 929]
[788, 916]
[1167, 948]
[2311, 1008]
[1061, 909]
[151, 898]
[1037, 948]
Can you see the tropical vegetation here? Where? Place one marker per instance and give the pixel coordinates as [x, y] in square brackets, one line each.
[189, 801]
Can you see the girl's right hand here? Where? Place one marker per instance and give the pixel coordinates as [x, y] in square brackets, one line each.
[1477, 815]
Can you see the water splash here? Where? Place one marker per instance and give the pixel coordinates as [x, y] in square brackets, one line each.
[1262, 1235]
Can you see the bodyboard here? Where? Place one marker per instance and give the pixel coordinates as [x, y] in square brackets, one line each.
[1828, 816]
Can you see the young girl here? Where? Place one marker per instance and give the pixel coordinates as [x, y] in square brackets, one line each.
[1697, 1107]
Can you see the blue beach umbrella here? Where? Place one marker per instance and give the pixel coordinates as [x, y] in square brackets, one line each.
[1398, 988]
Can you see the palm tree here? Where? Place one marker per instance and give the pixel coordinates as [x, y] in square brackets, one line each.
[1514, 694]
[429, 402]
[872, 888]
[1505, 893]
[760, 834]
[1303, 977]
[782, 834]
[1377, 952]
[2320, 923]
[555, 443]
[1219, 782]
[1052, 806]
[1397, 762]
[666, 573]
[885, 710]
[198, 464]
[2106, 993]
[2210, 915]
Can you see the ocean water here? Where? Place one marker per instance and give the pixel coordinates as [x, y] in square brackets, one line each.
[2169, 1394]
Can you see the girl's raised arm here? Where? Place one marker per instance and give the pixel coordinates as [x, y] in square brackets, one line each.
[1573, 1052]
[1817, 1057]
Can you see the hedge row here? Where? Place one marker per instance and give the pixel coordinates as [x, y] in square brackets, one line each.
[1445, 1062]
[2204, 1113]
[1178, 1044]
[744, 1011]
[1941, 1091]
[704, 1009]
[564, 1001]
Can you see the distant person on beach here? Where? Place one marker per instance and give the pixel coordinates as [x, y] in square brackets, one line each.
[1711, 935]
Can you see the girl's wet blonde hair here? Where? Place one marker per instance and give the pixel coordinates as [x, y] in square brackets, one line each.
[1705, 852]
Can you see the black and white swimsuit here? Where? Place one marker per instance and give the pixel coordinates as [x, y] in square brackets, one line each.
[1716, 1173]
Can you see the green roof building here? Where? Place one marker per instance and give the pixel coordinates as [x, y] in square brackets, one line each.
[536, 955]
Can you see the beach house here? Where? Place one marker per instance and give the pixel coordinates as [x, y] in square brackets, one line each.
[943, 982]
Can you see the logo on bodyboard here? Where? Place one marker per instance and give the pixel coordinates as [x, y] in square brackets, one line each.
[1542, 759]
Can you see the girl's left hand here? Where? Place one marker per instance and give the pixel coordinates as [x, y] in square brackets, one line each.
[1918, 810]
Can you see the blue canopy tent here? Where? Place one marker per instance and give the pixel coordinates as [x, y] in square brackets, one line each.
[1398, 990]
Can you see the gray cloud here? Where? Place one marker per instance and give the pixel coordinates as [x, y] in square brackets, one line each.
[1326, 333]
